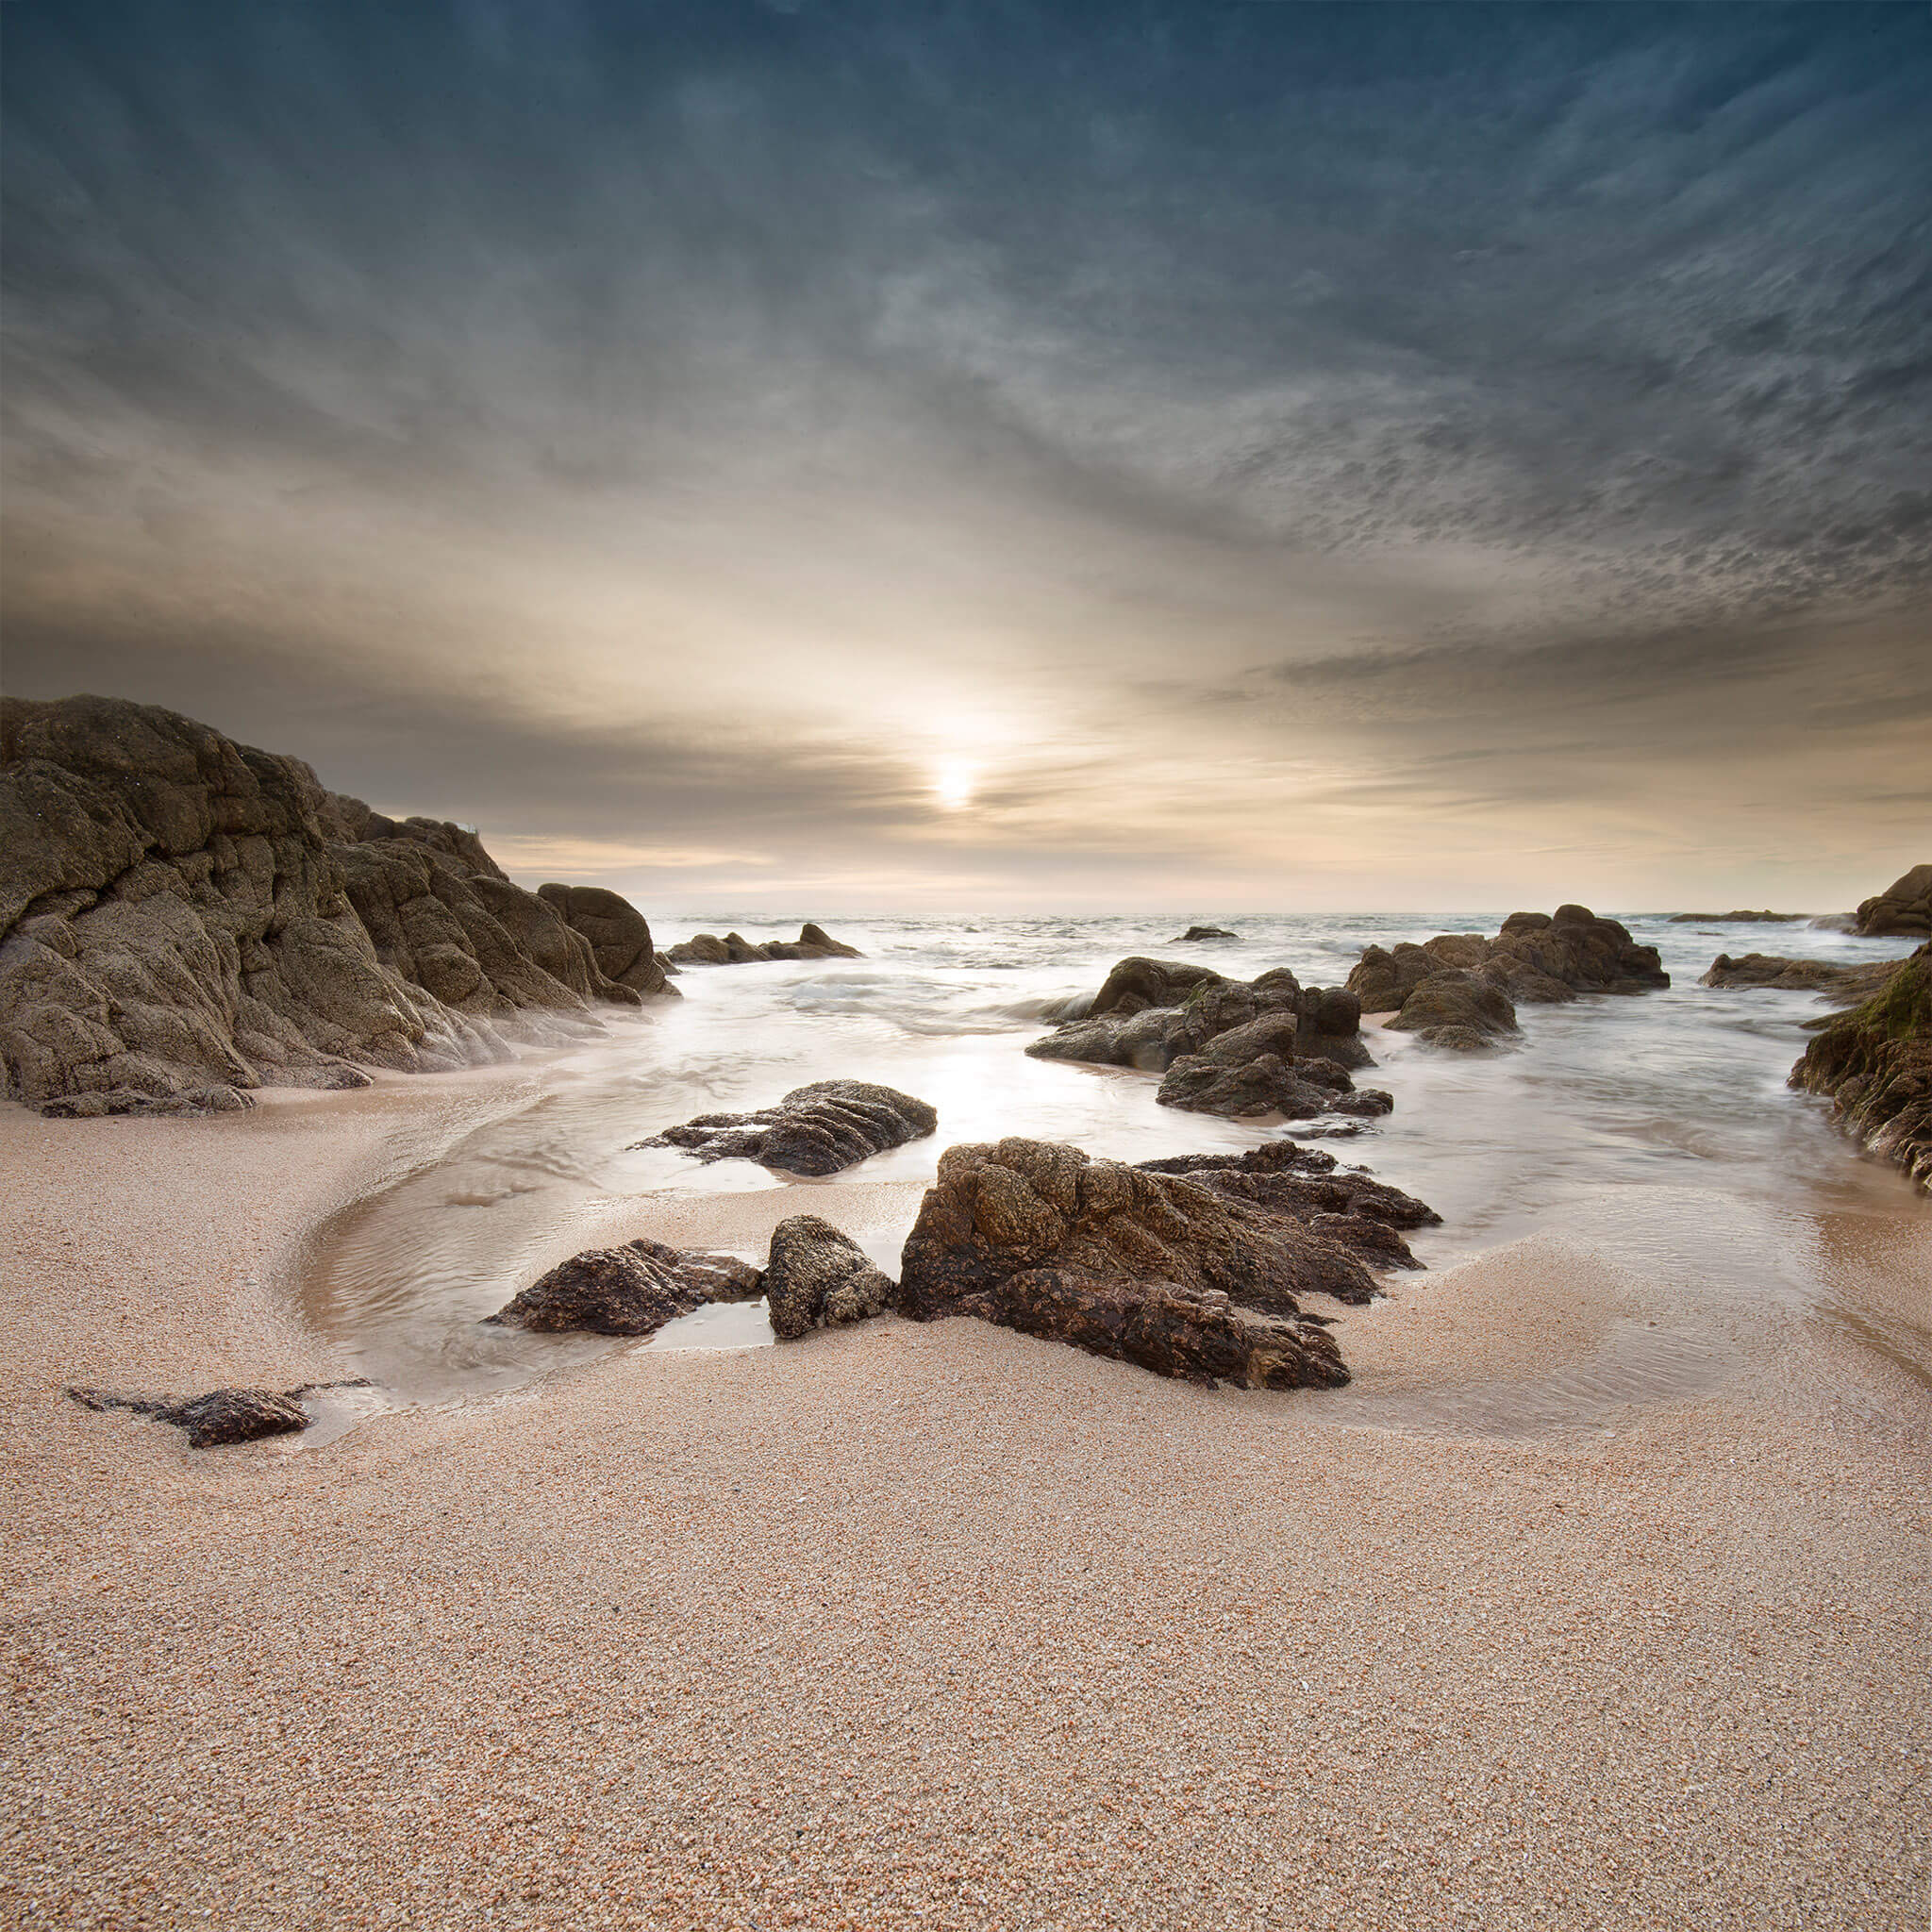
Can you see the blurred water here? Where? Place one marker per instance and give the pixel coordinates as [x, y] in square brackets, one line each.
[1655, 1129]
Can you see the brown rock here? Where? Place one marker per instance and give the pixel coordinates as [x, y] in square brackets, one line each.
[632, 1289]
[817, 1277]
[1903, 907]
[817, 1130]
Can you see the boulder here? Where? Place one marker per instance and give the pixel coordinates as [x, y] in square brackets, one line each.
[1252, 1070]
[814, 1130]
[1903, 907]
[1139, 982]
[1844, 983]
[632, 1289]
[618, 933]
[1874, 1063]
[184, 919]
[817, 1277]
[1458, 1010]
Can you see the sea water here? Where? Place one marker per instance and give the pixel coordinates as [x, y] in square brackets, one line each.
[1655, 1131]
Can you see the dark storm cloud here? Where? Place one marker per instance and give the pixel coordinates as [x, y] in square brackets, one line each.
[1462, 362]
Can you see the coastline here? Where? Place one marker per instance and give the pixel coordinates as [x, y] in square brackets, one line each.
[940, 1621]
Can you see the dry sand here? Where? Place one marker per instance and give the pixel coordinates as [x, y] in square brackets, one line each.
[941, 1625]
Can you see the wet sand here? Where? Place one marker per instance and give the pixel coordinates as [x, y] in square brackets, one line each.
[942, 1625]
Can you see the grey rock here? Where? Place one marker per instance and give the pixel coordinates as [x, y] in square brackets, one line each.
[817, 1277]
[813, 1130]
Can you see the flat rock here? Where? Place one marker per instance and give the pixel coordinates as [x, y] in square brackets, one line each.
[817, 1277]
[1845, 983]
[1737, 918]
[223, 1415]
[814, 1130]
[632, 1289]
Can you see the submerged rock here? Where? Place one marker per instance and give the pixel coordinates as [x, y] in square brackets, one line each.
[817, 1277]
[1845, 983]
[734, 949]
[1905, 907]
[1738, 918]
[632, 1289]
[814, 1130]
[184, 919]
[1875, 1065]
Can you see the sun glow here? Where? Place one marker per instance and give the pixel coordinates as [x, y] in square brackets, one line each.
[953, 780]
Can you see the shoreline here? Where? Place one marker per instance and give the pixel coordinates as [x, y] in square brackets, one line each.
[930, 1619]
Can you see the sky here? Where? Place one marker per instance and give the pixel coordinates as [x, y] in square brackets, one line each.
[993, 457]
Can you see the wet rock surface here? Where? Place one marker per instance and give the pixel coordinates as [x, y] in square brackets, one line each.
[184, 919]
[817, 1277]
[1903, 909]
[1197, 935]
[814, 1130]
[1538, 957]
[632, 1289]
[1845, 983]
[1252, 1070]
[734, 949]
[1874, 1063]
[223, 1415]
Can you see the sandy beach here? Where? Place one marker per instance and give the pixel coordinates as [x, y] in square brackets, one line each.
[940, 1625]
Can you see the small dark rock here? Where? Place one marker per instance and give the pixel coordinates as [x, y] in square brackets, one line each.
[632, 1289]
[817, 1277]
[1195, 935]
[814, 1130]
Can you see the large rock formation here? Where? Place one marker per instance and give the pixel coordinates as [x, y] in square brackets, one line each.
[183, 917]
[734, 949]
[1905, 907]
[1175, 1270]
[618, 935]
[1841, 983]
[1227, 1046]
[632, 1289]
[1538, 957]
[1875, 1064]
[814, 1130]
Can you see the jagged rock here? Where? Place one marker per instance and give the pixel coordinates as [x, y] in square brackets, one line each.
[814, 1130]
[223, 1416]
[632, 1289]
[1252, 1070]
[1903, 907]
[1875, 1065]
[618, 935]
[1737, 918]
[1844, 983]
[1015, 1205]
[1195, 935]
[817, 1277]
[184, 919]
[1458, 1010]
[1139, 982]
[734, 949]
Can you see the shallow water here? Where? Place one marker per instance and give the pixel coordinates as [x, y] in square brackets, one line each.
[1655, 1131]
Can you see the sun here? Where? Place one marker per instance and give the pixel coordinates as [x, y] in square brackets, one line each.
[953, 780]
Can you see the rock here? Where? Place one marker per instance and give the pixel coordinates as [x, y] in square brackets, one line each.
[1001, 1209]
[734, 949]
[817, 1277]
[618, 935]
[1844, 983]
[632, 1289]
[1252, 1070]
[814, 1130]
[184, 919]
[1875, 1064]
[1135, 1037]
[1737, 918]
[1458, 1010]
[1150, 983]
[1905, 907]
[223, 1416]
[1195, 935]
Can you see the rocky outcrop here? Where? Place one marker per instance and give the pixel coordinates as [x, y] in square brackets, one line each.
[1903, 909]
[1843, 983]
[1197, 935]
[1738, 918]
[183, 919]
[817, 1277]
[734, 949]
[1875, 1065]
[814, 1130]
[618, 935]
[223, 1416]
[633, 1289]
[1539, 957]
[1242, 1048]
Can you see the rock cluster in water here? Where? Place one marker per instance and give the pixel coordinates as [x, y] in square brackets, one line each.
[1875, 1064]
[1240, 1048]
[1190, 1267]
[1459, 990]
[734, 949]
[814, 1130]
[183, 917]
[1903, 910]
